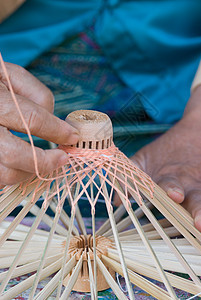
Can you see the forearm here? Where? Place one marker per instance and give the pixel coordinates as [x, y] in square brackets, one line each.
[193, 107]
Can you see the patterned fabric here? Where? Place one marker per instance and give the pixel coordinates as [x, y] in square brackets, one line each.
[108, 294]
[154, 46]
[80, 76]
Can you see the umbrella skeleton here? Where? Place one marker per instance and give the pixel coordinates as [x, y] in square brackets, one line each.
[76, 260]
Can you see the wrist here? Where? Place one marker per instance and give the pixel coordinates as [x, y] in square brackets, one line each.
[193, 107]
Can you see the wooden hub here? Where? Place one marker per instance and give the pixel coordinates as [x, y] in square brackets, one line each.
[83, 245]
[95, 129]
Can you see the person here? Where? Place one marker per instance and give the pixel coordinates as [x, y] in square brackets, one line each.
[162, 41]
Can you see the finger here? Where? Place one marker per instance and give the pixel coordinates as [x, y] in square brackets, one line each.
[138, 162]
[17, 154]
[27, 85]
[40, 122]
[172, 187]
[192, 203]
[116, 200]
[11, 176]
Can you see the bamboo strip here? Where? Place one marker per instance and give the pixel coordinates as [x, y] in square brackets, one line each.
[6, 262]
[39, 271]
[35, 210]
[20, 252]
[168, 265]
[25, 229]
[138, 280]
[52, 284]
[72, 279]
[78, 215]
[148, 271]
[147, 244]
[65, 253]
[64, 218]
[152, 235]
[118, 214]
[111, 282]
[30, 267]
[175, 221]
[25, 284]
[94, 241]
[19, 217]
[123, 224]
[146, 227]
[117, 242]
[178, 212]
[169, 256]
[91, 278]
[174, 249]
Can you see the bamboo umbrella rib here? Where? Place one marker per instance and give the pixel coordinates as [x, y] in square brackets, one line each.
[65, 254]
[175, 221]
[146, 227]
[10, 191]
[91, 278]
[18, 218]
[24, 244]
[168, 256]
[149, 271]
[138, 280]
[167, 240]
[162, 247]
[78, 215]
[72, 279]
[37, 278]
[118, 214]
[94, 242]
[48, 220]
[64, 218]
[147, 244]
[13, 195]
[174, 249]
[30, 267]
[25, 284]
[53, 283]
[179, 212]
[162, 202]
[123, 224]
[118, 245]
[168, 265]
[111, 282]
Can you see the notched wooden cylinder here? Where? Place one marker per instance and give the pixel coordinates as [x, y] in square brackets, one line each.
[95, 129]
[83, 245]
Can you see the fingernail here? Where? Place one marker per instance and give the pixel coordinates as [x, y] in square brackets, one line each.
[197, 222]
[62, 160]
[72, 139]
[176, 190]
[176, 194]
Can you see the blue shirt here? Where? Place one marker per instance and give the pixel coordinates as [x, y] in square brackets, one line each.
[154, 46]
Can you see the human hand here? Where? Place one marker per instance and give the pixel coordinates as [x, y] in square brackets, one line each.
[37, 104]
[174, 160]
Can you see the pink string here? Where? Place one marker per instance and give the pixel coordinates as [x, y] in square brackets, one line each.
[82, 163]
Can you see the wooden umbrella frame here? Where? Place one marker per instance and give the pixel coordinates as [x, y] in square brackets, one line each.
[81, 262]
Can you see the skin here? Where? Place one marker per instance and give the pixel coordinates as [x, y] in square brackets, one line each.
[174, 160]
[37, 104]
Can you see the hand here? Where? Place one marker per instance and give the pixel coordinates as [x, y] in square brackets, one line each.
[37, 104]
[174, 160]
